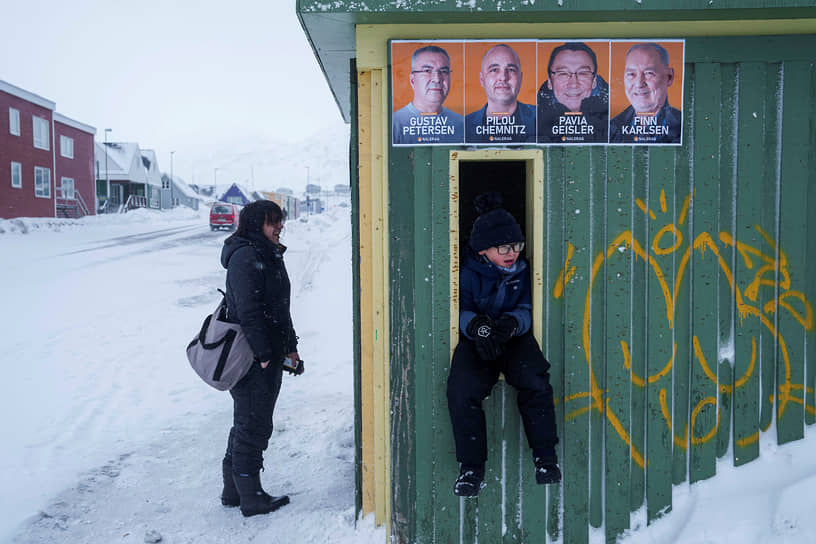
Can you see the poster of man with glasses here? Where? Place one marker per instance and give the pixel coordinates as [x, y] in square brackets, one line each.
[424, 120]
[573, 101]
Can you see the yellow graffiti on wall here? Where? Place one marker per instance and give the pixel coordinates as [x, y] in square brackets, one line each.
[770, 268]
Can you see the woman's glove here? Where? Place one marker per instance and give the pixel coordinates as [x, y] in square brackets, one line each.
[487, 345]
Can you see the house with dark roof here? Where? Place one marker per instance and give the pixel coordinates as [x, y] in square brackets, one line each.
[236, 194]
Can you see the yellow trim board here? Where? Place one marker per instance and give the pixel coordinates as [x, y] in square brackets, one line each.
[364, 115]
[374, 300]
[372, 40]
[380, 303]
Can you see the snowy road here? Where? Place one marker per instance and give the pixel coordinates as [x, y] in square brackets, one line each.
[110, 437]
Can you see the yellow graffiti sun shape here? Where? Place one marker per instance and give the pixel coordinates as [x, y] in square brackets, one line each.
[668, 240]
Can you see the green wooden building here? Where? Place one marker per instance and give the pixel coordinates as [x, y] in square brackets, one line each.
[671, 283]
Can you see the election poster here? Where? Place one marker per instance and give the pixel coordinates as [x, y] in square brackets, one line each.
[537, 92]
[499, 100]
[428, 93]
[647, 92]
[573, 99]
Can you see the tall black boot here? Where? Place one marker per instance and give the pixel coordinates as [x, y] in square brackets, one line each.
[254, 500]
[229, 495]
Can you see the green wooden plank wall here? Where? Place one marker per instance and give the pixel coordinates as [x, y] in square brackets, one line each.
[677, 312]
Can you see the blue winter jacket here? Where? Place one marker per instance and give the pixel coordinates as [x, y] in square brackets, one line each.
[485, 288]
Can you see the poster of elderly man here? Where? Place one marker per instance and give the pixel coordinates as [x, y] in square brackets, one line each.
[647, 92]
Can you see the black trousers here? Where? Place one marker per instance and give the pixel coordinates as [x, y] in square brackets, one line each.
[470, 381]
[254, 400]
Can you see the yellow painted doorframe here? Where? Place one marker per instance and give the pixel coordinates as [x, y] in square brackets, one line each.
[533, 229]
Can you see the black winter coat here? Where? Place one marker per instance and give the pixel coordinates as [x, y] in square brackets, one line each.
[258, 293]
[484, 288]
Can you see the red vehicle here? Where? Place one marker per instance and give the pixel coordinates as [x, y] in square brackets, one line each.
[224, 215]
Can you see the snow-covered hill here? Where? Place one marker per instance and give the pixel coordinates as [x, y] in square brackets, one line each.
[320, 159]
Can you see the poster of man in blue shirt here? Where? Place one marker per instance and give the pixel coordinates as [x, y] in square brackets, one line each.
[649, 118]
[503, 119]
[424, 120]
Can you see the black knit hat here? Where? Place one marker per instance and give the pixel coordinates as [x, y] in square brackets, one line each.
[494, 226]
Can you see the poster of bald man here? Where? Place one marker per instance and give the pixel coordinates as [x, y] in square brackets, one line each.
[500, 89]
[427, 86]
[647, 92]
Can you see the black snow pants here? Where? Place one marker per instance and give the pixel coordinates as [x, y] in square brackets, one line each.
[470, 381]
[254, 400]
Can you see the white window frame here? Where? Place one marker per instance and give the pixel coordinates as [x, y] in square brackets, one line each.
[16, 173]
[41, 133]
[67, 193]
[42, 178]
[66, 146]
[14, 121]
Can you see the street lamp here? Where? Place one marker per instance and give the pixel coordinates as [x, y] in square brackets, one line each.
[215, 180]
[107, 173]
[172, 195]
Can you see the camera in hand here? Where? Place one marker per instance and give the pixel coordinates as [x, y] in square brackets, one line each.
[293, 367]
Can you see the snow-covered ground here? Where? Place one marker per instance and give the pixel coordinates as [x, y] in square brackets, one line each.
[108, 436]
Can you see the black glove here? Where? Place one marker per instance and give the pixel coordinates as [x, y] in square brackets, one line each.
[487, 346]
[504, 328]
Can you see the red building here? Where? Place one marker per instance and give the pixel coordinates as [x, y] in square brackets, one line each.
[46, 159]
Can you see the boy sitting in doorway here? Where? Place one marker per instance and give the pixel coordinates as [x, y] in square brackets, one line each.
[494, 323]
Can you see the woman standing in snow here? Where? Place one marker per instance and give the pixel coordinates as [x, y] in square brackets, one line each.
[258, 293]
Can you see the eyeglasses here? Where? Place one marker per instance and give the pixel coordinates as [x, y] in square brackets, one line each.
[504, 249]
[442, 72]
[582, 75]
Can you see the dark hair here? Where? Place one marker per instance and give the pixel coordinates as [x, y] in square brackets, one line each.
[573, 46]
[427, 49]
[255, 215]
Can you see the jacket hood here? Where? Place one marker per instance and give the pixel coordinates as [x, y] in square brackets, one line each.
[258, 242]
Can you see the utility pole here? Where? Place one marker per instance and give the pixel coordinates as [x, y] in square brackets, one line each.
[172, 193]
[107, 174]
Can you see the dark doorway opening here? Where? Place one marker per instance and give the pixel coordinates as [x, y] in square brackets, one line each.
[509, 178]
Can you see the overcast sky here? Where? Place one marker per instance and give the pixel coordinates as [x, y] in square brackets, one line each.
[192, 76]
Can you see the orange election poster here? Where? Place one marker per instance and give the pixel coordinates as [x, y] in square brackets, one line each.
[646, 97]
[573, 99]
[427, 93]
[500, 90]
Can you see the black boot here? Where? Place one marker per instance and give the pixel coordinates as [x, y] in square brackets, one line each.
[470, 481]
[254, 500]
[547, 471]
[229, 495]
